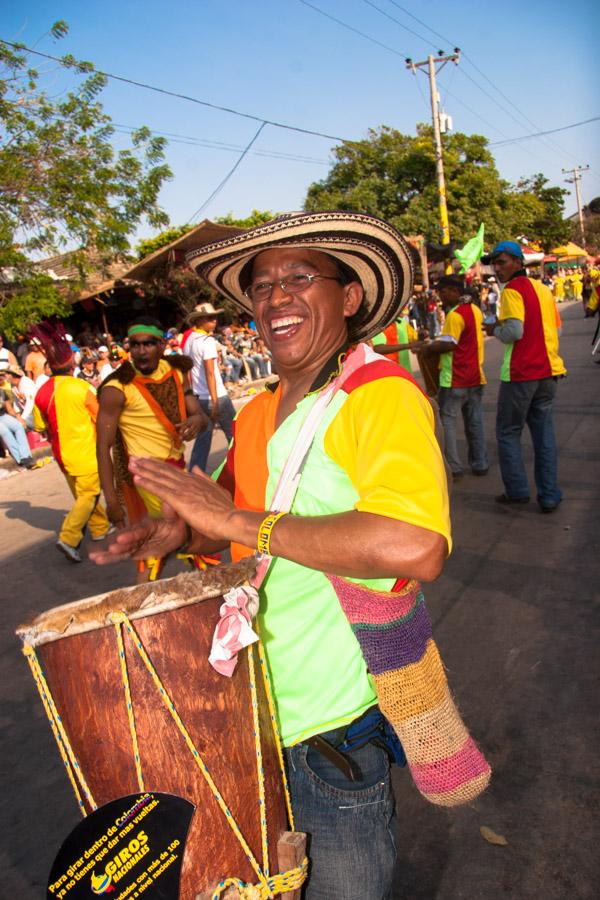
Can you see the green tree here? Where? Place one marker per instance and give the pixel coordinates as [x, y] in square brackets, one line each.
[541, 209]
[393, 175]
[36, 299]
[256, 217]
[150, 245]
[63, 185]
[592, 233]
[180, 284]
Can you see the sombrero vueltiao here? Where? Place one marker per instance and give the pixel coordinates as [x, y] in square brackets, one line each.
[371, 248]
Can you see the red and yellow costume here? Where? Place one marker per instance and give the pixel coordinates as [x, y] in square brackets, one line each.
[67, 408]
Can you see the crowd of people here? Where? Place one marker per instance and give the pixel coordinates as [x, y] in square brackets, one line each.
[426, 309]
[225, 355]
[241, 359]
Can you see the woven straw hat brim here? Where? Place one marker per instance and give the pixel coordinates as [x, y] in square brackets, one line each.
[196, 316]
[374, 250]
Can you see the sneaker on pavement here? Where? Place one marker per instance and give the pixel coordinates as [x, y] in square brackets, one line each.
[72, 553]
[28, 463]
[100, 537]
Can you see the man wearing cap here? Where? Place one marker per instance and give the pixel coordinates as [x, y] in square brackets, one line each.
[528, 378]
[147, 408]
[89, 369]
[207, 382]
[103, 363]
[114, 360]
[460, 350]
[368, 512]
[66, 408]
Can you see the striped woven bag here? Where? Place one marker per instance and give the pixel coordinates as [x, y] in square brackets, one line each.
[394, 633]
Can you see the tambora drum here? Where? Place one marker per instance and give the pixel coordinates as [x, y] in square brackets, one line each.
[141, 709]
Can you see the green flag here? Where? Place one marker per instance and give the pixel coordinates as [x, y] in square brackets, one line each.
[472, 251]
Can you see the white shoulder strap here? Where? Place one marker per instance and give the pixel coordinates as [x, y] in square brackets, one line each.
[285, 491]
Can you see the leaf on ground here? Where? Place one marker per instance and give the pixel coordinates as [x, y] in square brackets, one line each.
[492, 838]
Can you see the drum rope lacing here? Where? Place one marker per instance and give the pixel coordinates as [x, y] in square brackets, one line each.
[269, 886]
[64, 746]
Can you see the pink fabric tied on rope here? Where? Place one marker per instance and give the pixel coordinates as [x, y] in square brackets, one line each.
[234, 629]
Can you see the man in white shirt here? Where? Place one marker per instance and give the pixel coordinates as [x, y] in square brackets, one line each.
[23, 395]
[103, 363]
[207, 382]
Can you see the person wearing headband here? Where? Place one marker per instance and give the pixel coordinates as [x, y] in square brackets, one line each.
[147, 408]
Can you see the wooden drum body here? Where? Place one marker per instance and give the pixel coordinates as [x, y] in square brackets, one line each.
[174, 619]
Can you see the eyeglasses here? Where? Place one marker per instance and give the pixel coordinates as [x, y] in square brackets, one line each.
[137, 345]
[293, 284]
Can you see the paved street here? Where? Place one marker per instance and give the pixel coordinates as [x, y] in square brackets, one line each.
[516, 618]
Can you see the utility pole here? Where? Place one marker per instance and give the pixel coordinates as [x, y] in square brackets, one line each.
[433, 65]
[576, 172]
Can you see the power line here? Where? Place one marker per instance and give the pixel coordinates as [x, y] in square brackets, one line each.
[467, 57]
[222, 183]
[420, 21]
[473, 113]
[526, 137]
[351, 28]
[482, 74]
[448, 92]
[192, 141]
[405, 27]
[431, 44]
[168, 93]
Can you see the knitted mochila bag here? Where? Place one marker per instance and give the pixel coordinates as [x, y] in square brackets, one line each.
[394, 634]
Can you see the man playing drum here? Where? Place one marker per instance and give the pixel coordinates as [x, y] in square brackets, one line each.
[370, 511]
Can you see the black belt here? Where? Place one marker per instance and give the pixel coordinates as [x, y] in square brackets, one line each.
[336, 757]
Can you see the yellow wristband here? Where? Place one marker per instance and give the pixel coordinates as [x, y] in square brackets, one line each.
[263, 541]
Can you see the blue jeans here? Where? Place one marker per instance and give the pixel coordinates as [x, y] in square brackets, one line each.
[201, 447]
[351, 845]
[520, 403]
[14, 437]
[468, 402]
[234, 368]
[433, 324]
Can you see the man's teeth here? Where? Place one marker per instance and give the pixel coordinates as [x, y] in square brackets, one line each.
[276, 324]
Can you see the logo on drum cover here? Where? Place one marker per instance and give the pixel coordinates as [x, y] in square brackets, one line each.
[101, 884]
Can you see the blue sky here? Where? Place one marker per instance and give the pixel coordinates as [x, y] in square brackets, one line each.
[286, 62]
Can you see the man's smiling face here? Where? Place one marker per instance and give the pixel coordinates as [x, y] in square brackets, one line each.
[303, 329]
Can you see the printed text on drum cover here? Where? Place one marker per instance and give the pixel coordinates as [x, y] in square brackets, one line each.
[116, 854]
